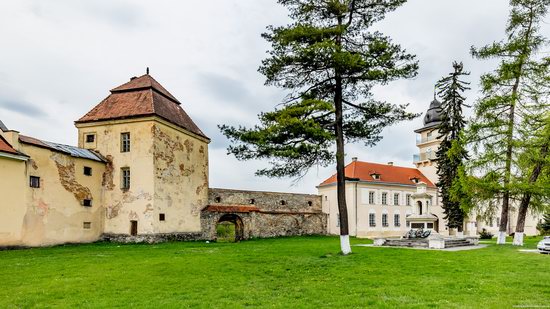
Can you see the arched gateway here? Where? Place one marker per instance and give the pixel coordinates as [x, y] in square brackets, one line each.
[237, 222]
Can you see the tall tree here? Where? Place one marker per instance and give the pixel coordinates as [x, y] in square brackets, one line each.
[329, 59]
[451, 153]
[497, 113]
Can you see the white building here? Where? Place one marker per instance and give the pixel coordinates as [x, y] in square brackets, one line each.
[380, 197]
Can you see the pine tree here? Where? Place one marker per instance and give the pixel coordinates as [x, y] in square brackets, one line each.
[498, 112]
[544, 226]
[451, 153]
[329, 59]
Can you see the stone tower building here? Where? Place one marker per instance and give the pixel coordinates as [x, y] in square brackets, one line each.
[428, 142]
[157, 159]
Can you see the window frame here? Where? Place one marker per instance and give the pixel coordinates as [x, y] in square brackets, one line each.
[396, 220]
[372, 219]
[408, 199]
[31, 183]
[372, 196]
[162, 217]
[87, 168]
[125, 180]
[125, 142]
[384, 198]
[385, 222]
[87, 138]
[396, 199]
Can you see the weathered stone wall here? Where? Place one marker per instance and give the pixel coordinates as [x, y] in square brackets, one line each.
[265, 214]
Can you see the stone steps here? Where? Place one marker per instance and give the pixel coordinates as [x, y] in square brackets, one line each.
[457, 243]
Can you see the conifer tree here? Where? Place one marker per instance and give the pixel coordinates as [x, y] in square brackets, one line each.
[328, 59]
[498, 112]
[451, 153]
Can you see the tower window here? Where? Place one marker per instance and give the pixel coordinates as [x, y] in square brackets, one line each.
[125, 142]
[125, 174]
[162, 217]
[34, 182]
[90, 138]
[87, 171]
[87, 225]
[87, 203]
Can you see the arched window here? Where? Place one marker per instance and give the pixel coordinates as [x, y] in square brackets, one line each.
[419, 207]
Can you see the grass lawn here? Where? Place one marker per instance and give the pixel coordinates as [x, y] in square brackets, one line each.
[285, 272]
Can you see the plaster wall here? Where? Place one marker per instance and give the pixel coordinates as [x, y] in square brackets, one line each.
[54, 212]
[13, 202]
[136, 203]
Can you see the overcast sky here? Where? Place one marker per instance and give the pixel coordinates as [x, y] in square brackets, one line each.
[58, 59]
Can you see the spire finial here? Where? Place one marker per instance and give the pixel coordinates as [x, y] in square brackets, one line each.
[147, 71]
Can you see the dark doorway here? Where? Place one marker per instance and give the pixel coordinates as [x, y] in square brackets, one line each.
[133, 228]
[419, 207]
[230, 228]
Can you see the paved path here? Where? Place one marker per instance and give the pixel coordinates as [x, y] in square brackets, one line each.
[446, 249]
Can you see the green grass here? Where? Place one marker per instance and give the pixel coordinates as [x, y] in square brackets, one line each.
[286, 273]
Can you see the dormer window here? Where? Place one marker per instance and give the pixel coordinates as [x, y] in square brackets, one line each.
[375, 176]
[415, 179]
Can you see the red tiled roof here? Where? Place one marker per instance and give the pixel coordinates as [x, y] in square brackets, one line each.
[142, 96]
[6, 147]
[231, 208]
[388, 174]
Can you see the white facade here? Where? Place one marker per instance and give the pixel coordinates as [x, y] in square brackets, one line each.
[367, 212]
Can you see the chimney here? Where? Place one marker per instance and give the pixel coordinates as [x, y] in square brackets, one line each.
[390, 163]
[354, 159]
[12, 137]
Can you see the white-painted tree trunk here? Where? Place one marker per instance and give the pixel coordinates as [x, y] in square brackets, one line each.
[501, 238]
[518, 239]
[344, 244]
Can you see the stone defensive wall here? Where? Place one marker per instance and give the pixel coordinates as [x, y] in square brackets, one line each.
[258, 214]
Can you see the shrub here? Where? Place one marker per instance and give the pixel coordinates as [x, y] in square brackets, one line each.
[484, 234]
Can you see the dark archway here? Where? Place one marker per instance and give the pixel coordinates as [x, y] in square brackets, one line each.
[419, 207]
[234, 220]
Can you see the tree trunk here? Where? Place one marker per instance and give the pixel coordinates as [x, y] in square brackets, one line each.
[522, 213]
[505, 213]
[340, 172]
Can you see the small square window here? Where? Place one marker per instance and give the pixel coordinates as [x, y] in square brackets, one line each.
[162, 217]
[87, 225]
[34, 182]
[87, 171]
[310, 203]
[283, 202]
[252, 201]
[90, 138]
[87, 203]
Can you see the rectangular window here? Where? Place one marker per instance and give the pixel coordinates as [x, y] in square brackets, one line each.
[384, 220]
[90, 138]
[384, 198]
[371, 197]
[408, 200]
[125, 142]
[87, 225]
[372, 220]
[125, 174]
[87, 171]
[396, 220]
[408, 224]
[162, 217]
[396, 199]
[87, 202]
[34, 182]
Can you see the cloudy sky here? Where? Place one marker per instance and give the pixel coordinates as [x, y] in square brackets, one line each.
[58, 59]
